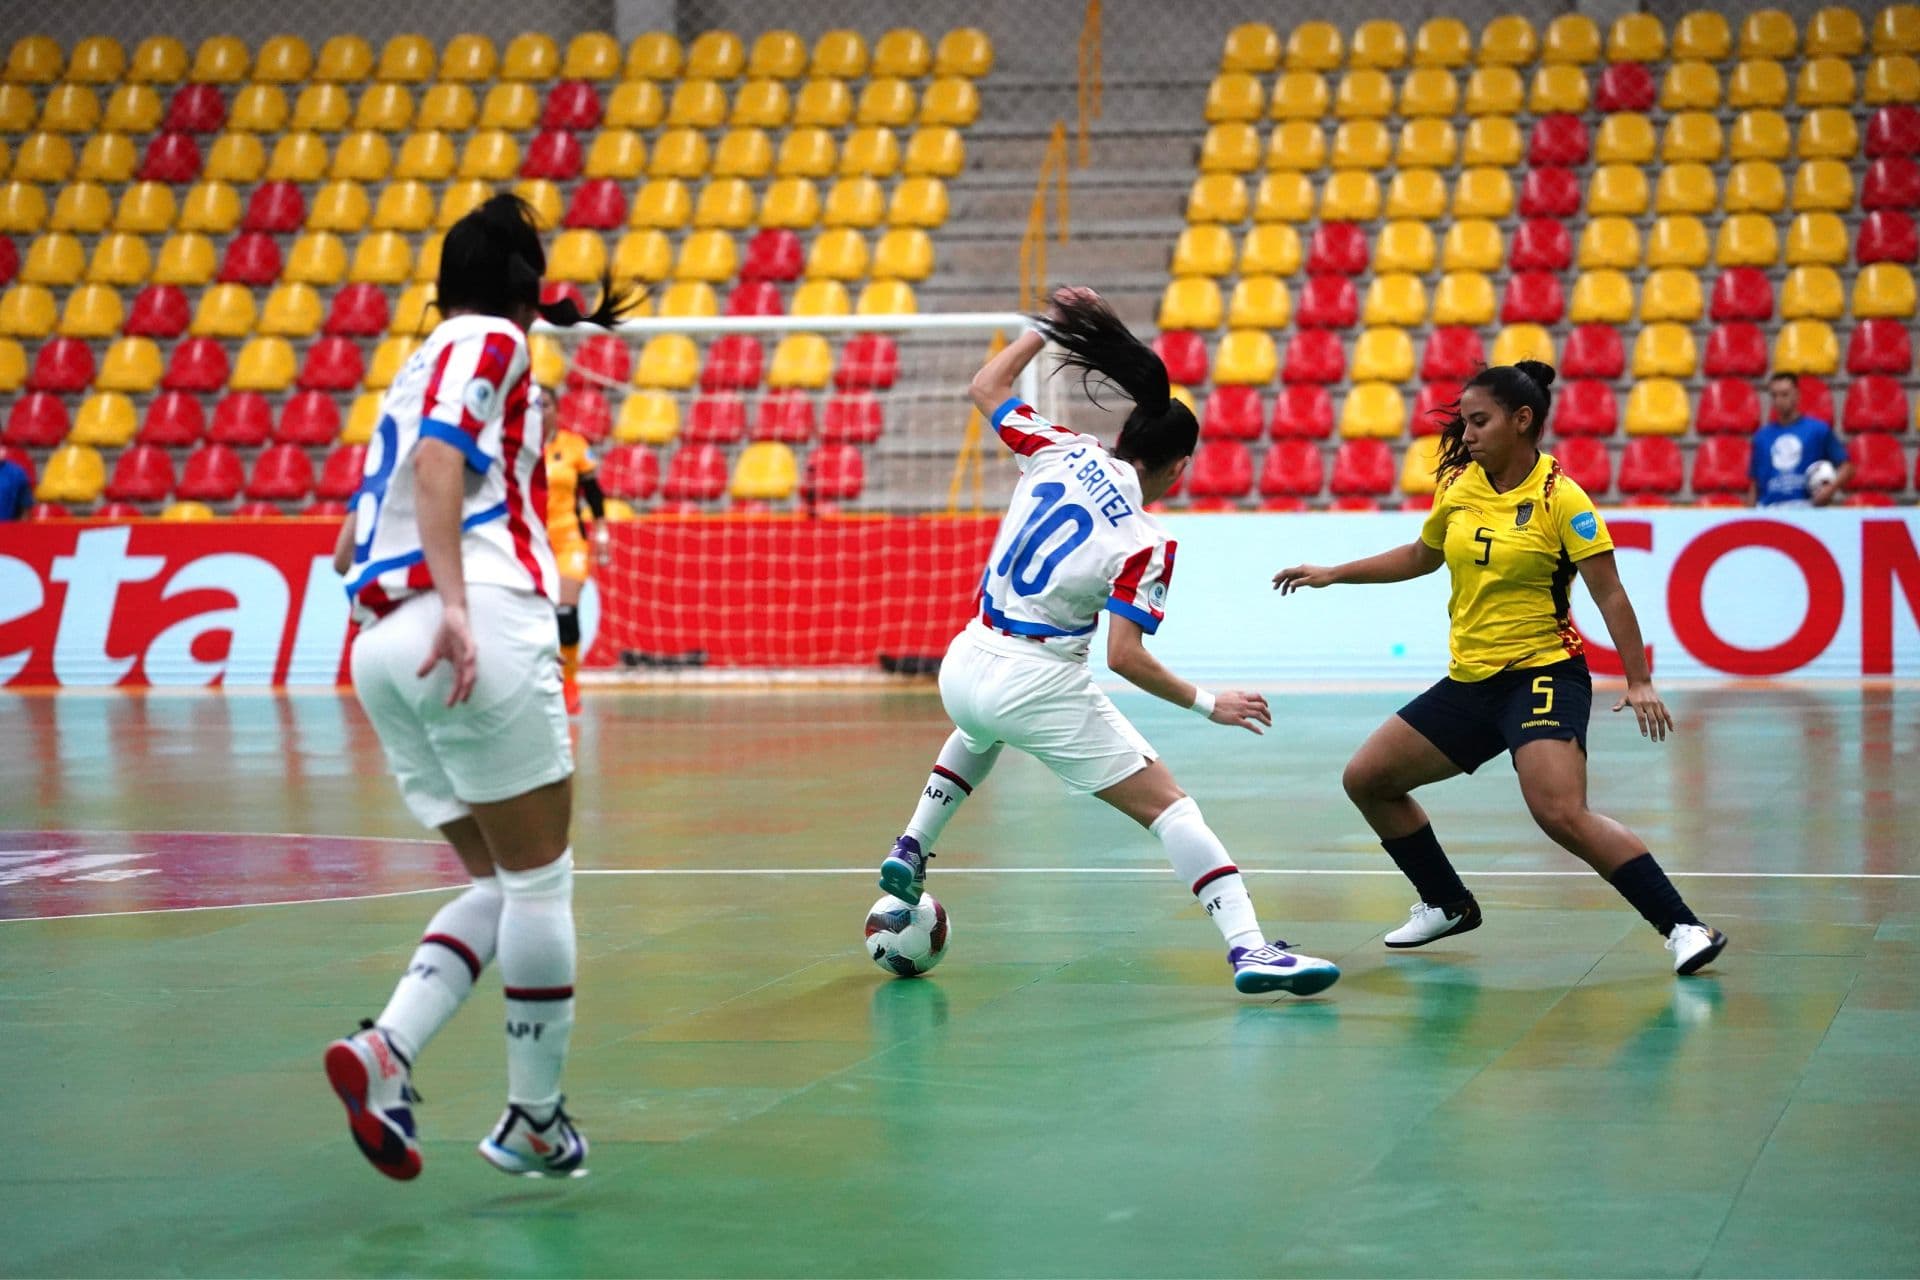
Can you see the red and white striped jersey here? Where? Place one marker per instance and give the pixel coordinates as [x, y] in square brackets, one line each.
[1077, 539]
[467, 386]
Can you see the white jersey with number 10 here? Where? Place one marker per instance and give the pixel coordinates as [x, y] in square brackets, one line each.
[1076, 540]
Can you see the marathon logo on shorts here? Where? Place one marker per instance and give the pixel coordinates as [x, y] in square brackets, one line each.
[1586, 524]
[1522, 514]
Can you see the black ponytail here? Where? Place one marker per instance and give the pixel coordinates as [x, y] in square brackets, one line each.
[492, 262]
[1160, 430]
[1513, 387]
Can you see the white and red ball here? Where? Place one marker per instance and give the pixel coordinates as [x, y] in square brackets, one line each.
[904, 939]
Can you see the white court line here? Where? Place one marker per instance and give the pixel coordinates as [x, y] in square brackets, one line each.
[232, 906]
[1245, 871]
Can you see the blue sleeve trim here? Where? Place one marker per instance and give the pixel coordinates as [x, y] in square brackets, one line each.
[1133, 613]
[1006, 407]
[447, 433]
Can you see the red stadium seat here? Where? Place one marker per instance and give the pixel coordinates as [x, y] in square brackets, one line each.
[37, 421]
[251, 258]
[1452, 353]
[1338, 248]
[1879, 464]
[785, 416]
[1886, 235]
[1302, 413]
[554, 290]
[853, 417]
[1541, 244]
[1293, 469]
[117, 511]
[1233, 413]
[159, 311]
[1355, 502]
[598, 204]
[835, 473]
[9, 261]
[64, 364]
[1328, 302]
[213, 474]
[1625, 86]
[1720, 465]
[257, 510]
[1893, 131]
[1892, 182]
[243, 419]
[282, 473]
[1586, 408]
[755, 298]
[275, 207]
[1362, 468]
[1533, 297]
[696, 473]
[585, 412]
[22, 459]
[199, 364]
[774, 253]
[171, 157]
[553, 154]
[1593, 351]
[1433, 406]
[734, 363]
[1221, 472]
[47, 511]
[1879, 346]
[869, 361]
[1735, 350]
[602, 360]
[1816, 398]
[630, 472]
[1651, 465]
[1728, 406]
[195, 108]
[1558, 140]
[357, 311]
[1314, 355]
[174, 419]
[309, 418]
[571, 104]
[1550, 193]
[1185, 355]
[716, 419]
[332, 364]
[1876, 403]
[1742, 293]
[325, 509]
[1587, 461]
[340, 473]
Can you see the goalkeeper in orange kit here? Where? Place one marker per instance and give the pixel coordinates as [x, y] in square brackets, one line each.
[570, 482]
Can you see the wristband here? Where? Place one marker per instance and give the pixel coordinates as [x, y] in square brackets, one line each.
[1202, 703]
[1041, 329]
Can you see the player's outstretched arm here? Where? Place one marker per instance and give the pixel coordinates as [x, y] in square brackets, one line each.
[1128, 658]
[1602, 577]
[994, 383]
[1415, 560]
[343, 546]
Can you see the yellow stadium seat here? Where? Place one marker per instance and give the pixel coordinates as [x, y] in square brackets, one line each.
[636, 104]
[591, 55]
[647, 417]
[679, 153]
[225, 311]
[1493, 141]
[872, 152]
[414, 312]
[1472, 245]
[1828, 133]
[654, 55]
[1442, 42]
[1609, 242]
[339, 206]
[1483, 193]
[13, 365]
[384, 257]
[236, 157]
[220, 60]
[689, 300]
[806, 153]
[447, 108]
[1234, 95]
[1896, 29]
[1379, 43]
[23, 207]
[1281, 197]
[17, 109]
[662, 203]
[1299, 95]
[83, 207]
[1805, 346]
[716, 55]
[1420, 465]
[1293, 144]
[384, 108]
[667, 362]
[1246, 357]
[1691, 135]
[1314, 46]
[1509, 40]
[1755, 186]
[1601, 297]
[530, 56]
[841, 54]
[777, 55]
[105, 421]
[120, 259]
[459, 199]
[544, 196]
[283, 60]
[1259, 302]
[1636, 37]
[1203, 250]
[362, 157]
[1824, 82]
[697, 104]
[1363, 94]
[761, 104]
[1361, 144]
[728, 203]
[884, 298]
[1558, 88]
[1685, 188]
[106, 157]
[92, 311]
[1883, 289]
[1394, 299]
[259, 108]
[935, 152]
[185, 512]
[579, 256]
[1812, 293]
[918, 202]
[73, 473]
[1822, 184]
[407, 59]
[904, 253]
[1657, 407]
[70, 108]
[889, 102]
[1426, 144]
[298, 157]
[315, 258]
[54, 259]
[1817, 238]
[158, 60]
[97, 60]
[1429, 91]
[1190, 303]
[1891, 77]
[1625, 137]
[826, 104]
[1417, 193]
[268, 365]
[1383, 355]
[820, 298]
[617, 153]
[27, 311]
[963, 51]
[1677, 240]
[1768, 33]
[1270, 250]
[490, 155]
[1617, 189]
[646, 256]
[1251, 46]
[429, 157]
[1671, 293]
[743, 153]
[1404, 247]
[1463, 297]
[511, 106]
[291, 311]
[800, 360]
[1702, 35]
[766, 472]
[1836, 32]
[322, 108]
[1494, 91]
[1571, 38]
[1690, 86]
[793, 203]
[838, 254]
[1350, 195]
[130, 364]
[1373, 411]
[952, 101]
[345, 59]
[43, 157]
[1757, 83]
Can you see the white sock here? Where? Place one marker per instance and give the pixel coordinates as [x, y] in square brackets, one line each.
[1202, 863]
[536, 968]
[955, 774]
[455, 948]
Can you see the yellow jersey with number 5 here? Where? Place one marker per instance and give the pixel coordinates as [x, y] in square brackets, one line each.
[1511, 556]
[567, 460]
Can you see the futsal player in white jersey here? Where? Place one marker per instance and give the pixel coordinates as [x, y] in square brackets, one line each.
[453, 584]
[1077, 541]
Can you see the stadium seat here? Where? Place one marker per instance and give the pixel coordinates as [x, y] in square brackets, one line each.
[1245, 357]
[62, 365]
[1735, 349]
[1827, 133]
[1585, 408]
[1230, 148]
[264, 364]
[1338, 247]
[1690, 86]
[1823, 185]
[1671, 293]
[630, 471]
[1651, 467]
[1328, 302]
[1824, 82]
[1664, 350]
[1571, 38]
[1429, 91]
[1373, 410]
[1362, 94]
[1891, 182]
[716, 419]
[1603, 297]
[1728, 406]
[1876, 345]
[1190, 303]
[1472, 244]
[950, 102]
[1463, 298]
[1383, 355]
[1812, 292]
[1423, 144]
[1281, 197]
[1875, 403]
[1292, 469]
[1362, 468]
[1558, 88]
[1624, 138]
[1313, 355]
[840, 54]
[868, 361]
[74, 108]
[1879, 464]
[213, 473]
[1594, 351]
[1625, 86]
[238, 158]
[243, 420]
[97, 60]
[1542, 244]
[1548, 193]
[1755, 186]
[1806, 346]
[37, 420]
[1587, 461]
[1299, 95]
[1685, 189]
[1251, 46]
[835, 473]
[1893, 131]
[27, 311]
[1303, 412]
[159, 311]
[1742, 293]
[1220, 473]
[73, 473]
[1451, 354]
[695, 473]
[1884, 235]
[1533, 297]
[1404, 247]
[1617, 190]
[92, 311]
[143, 473]
[1233, 413]
[1517, 342]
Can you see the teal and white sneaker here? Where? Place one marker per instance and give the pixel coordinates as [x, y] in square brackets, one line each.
[1275, 968]
[904, 872]
[552, 1150]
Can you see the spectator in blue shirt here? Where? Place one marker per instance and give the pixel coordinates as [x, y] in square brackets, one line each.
[16, 491]
[1789, 447]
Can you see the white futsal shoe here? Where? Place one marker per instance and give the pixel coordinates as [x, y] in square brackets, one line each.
[1429, 923]
[517, 1145]
[374, 1082]
[1274, 968]
[1694, 947]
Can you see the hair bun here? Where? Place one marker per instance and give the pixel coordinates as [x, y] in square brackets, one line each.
[1540, 371]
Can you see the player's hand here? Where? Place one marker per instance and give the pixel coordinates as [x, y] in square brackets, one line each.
[1656, 722]
[602, 546]
[1288, 581]
[1825, 494]
[1066, 295]
[453, 643]
[1246, 710]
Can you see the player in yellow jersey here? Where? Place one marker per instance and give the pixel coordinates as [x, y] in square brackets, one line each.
[570, 482]
[1512, 529]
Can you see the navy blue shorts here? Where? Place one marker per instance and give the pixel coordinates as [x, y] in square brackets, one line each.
[1472, 722]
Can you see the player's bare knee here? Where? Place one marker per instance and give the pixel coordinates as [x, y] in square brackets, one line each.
[1366, 783]
[1563, 820]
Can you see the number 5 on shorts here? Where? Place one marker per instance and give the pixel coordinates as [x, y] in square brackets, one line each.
[1543, 685]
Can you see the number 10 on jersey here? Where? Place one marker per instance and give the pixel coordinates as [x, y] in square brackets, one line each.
[1049, 517]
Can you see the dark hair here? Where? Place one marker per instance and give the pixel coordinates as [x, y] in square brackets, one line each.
[1513, 387]
[492, 263]
[1784, 377]
[1160, 430]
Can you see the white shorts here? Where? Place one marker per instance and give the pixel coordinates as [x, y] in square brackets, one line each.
[509, 738]
[1047, 707]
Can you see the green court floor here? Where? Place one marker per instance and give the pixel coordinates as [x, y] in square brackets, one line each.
[1076, 1092]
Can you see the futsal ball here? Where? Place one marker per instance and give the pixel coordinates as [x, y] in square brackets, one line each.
[907, 940]
[1820, 473]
